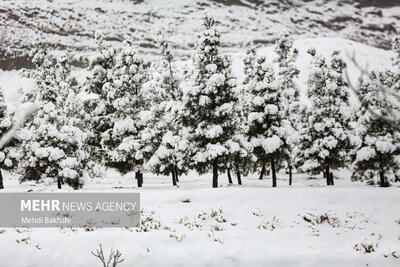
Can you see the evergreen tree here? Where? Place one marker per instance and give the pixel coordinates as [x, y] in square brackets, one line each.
[122, 142]
[379, 152]
[52, 143]
[250, 63]
[288, 71]
[325, 138]
[9, 154]
[162, 132]
[97, 107]
[264, 117]
[210, 104]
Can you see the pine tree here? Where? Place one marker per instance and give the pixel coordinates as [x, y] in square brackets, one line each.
[325, 138]
[379, 152]
[162, 132]
[97, 107]
[122, 142]
[288, 71]
[251, 76]
[52, 143]
[9, 154]
[264, 117]
[249, 61]
[210, 104]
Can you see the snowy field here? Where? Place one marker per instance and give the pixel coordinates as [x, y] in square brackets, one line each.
[307, 224]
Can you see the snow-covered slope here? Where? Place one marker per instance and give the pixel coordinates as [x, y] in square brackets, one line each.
[70, 24]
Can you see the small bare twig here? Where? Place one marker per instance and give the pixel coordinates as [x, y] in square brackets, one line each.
[114, 258]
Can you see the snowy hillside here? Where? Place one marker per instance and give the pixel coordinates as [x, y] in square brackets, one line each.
[70, 24]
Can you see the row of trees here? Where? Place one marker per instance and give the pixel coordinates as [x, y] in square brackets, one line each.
[133, 115]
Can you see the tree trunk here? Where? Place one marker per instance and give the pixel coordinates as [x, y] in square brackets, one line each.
[176, 173]
[1, 181]
[382, 178]
[228, 172]
[173, 174]
[59, 183]
[215, 174]
[273, 172]
[75, 184]
[139, 178]
[290, 174]
[263, 169]
[332, 179]
[239, 178]
[327, 176]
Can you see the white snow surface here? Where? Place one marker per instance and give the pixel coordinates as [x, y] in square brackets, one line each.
[264, 226]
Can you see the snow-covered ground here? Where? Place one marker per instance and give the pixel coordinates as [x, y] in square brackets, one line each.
[307, 224]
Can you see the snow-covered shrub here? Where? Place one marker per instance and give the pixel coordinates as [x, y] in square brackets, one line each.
[148, 221]
[177, 237]
[257, 212]
[205, 220]
[316, 219]
[269, 224]
[211, 234]
[370, 244]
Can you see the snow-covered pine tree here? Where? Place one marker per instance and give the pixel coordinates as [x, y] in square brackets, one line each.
[378, 155]
[249, 61]
[287, 72]
[122, 142]
[325, 138]
[379, 152]
[96, 105]
[210, 104]
[9, 154]
[264, 117]
[162, 132]
[241, 159]
[52, 145]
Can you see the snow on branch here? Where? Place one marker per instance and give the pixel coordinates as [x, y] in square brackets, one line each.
[387, 93]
